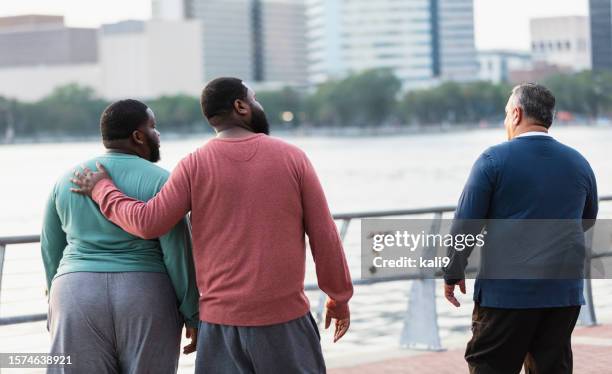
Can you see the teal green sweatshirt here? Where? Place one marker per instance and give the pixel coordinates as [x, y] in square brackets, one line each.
[76, 236]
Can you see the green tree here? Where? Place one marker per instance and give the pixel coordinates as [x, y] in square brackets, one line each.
[455, 103]
[178, 113]
[585, 93]
[70, 109]
[282, 102]
[368, 98]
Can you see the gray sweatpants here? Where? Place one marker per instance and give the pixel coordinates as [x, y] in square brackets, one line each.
[292, 347]
[115, 323]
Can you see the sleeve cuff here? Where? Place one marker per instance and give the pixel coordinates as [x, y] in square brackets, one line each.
[193, 323]
[451, 282]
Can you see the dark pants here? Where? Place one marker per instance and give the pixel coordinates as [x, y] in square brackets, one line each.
[503, 340]
[291, 347]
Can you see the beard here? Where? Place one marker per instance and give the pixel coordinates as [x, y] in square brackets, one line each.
[259, 121]
[154, 155]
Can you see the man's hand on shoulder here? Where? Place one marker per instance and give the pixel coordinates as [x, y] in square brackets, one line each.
[86, 180]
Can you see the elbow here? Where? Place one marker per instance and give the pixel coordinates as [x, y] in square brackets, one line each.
[147, 234]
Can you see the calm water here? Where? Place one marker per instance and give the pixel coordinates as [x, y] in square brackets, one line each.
[357, 173]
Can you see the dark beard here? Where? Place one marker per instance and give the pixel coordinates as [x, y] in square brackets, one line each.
[259, 121]
[154, 156]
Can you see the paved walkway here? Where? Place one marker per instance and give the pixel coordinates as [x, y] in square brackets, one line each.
[592, 348]
[372, 344]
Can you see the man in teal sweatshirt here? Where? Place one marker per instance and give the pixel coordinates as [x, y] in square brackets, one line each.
[117, 303]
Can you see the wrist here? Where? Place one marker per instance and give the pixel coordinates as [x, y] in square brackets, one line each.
[451, 282]
[338, 310]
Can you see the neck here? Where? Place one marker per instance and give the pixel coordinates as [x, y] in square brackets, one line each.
[122, 150]
[530, 128]
[232, 132]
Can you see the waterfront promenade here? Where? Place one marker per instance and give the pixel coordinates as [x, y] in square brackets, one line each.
[372, 344]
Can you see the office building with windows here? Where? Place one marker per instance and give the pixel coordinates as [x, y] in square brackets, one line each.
[422, 41]
[562, 41]
[601, 33]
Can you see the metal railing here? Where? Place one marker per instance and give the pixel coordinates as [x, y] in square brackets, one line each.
[420, 323]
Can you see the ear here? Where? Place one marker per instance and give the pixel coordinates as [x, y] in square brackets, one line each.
[517, 116]
[241, 107]
[138, 137]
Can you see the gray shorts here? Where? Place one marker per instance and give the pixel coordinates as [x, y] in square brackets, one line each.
[292, 347]
[115, 322]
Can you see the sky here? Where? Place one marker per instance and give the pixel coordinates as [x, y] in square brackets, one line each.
[499, 24]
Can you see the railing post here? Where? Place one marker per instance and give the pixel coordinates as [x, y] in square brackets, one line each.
[421, 330]
[2, 251]
[587, 315]
[322, 296]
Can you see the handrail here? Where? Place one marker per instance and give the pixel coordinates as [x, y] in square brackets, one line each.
[345, 217]
[22, 239]
[25, 239]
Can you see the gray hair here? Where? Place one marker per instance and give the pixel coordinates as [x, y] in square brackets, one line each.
[536, 101]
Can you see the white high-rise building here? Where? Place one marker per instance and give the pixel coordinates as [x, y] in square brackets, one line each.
[227, 37]
[421, 41]
[562, 41]
[139, 59]
[169, 10]
[457, 48]
[283, 47]
[143, 59]
[260, 41]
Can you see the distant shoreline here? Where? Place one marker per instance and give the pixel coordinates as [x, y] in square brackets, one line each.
[305, 131]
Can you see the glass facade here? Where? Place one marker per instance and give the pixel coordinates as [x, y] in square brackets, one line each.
[601, 33]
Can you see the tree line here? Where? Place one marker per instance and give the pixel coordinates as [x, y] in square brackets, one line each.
[372, 98]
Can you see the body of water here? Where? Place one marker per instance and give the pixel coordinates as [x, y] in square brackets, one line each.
[357, 173]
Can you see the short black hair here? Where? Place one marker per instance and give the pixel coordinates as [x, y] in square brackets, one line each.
[120, 119]
[537, 102]
[219, 95]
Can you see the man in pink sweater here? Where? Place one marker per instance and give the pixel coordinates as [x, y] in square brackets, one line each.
[252, 199]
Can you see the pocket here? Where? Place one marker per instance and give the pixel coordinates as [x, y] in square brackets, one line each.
[314, 325]
[478, 319]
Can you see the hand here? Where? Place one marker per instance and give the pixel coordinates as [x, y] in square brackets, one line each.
[191, 333]
[449, 292]
[87, 179]
[342, 318]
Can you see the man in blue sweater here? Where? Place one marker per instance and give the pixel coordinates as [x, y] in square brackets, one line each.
[532, 176]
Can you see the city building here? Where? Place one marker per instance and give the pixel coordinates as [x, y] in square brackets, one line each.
[44, 40]
[149, 59]
[39, 53]
[260, 41]
[283, 35]
[562, 41]
[170, 10]
[128, 59]
[496, 66]
[601, 33]
[422, 41]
